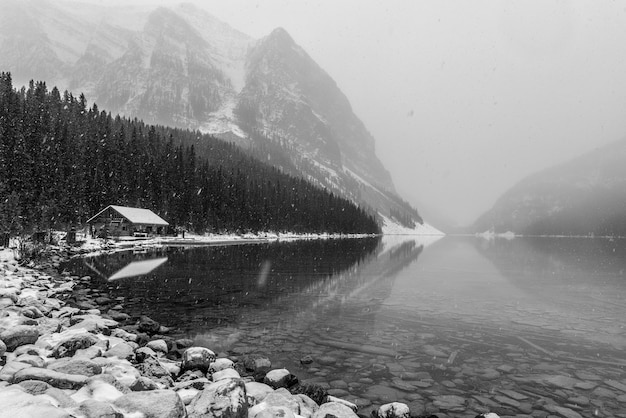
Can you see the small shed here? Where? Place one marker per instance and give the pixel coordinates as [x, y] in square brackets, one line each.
[126, 221]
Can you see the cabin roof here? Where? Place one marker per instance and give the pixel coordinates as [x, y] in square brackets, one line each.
[134, 215]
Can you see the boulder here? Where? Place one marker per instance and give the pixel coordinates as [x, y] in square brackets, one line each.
[80, 366]
[152, 369]
[55, 379]
[124, 335]
[32, 359]
[3, 348]
[17, 403]
[223, 399]
[170, 365]
[93, 323]
[270, 412]
[334, 409]
[9, 370]
[280, 378]
[392, 410]
[152, 404]
[68, 346]
[282, 397]
[158, 346]
[117, 315]
[92, 408]
[197, 358]
[187, 394]
[314, 391]
[19, 335]
[148, 325]
[34, 387]
[102, 387]
[225, 374]
[122, 350]
[256, 392]
[257, 363]
[308, 407]
[31, 312]
[61, 397]
[343, 402]
[221, 364]
[199, 384]
[6, 302]
[183, 343]
[123, 371]
[190, 375]
[143, 353]
[143, 383]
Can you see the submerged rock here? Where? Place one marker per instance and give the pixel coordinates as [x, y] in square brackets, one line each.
[148, 325]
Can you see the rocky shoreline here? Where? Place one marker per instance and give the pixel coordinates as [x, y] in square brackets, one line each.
[60, 356]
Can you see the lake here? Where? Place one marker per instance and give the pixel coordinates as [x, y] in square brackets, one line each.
[455, 326]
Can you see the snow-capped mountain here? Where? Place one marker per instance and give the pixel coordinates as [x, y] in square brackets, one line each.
[585, 196]
[182, 67]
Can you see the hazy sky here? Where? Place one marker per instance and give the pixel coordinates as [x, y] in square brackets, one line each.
[464, 98]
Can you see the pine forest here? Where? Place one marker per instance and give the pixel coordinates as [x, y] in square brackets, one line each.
[62, 161]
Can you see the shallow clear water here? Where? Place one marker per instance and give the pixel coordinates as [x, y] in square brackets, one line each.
[455, 327]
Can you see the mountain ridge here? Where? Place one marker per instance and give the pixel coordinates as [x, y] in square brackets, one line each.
[180, 66]
[583, 196]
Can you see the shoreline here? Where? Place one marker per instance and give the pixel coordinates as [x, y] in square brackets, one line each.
[61, 356]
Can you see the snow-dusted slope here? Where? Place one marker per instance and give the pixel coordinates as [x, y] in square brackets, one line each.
[181, 66]
[585, 196]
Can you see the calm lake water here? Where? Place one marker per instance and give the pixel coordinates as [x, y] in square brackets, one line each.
[526, 327]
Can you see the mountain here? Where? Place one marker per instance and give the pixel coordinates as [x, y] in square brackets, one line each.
[184, 68]
[585, 196]
[61, 162]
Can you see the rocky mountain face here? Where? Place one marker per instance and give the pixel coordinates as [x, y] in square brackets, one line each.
[585, 196]
[182, 67]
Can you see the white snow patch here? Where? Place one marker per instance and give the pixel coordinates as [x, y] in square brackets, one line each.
[393, 228]
[223, 121]
[489, 235]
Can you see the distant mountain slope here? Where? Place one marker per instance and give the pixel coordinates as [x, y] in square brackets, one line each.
[182, 67]
[584, 196]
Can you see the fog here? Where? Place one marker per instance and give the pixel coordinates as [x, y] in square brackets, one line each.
[464, 98]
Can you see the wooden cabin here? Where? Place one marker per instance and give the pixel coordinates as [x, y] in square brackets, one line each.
[125, 221]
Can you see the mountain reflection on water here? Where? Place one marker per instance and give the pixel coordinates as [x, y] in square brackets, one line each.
[189, 288]
[514, 327]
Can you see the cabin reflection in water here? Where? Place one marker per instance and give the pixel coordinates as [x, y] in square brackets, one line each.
[131, 269]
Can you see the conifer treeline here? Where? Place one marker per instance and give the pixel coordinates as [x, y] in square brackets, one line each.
[61, 162]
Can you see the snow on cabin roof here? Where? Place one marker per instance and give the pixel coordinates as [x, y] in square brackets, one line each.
[135, 215]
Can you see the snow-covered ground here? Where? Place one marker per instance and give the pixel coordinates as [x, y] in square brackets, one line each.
[492, 235]
[393, 228]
